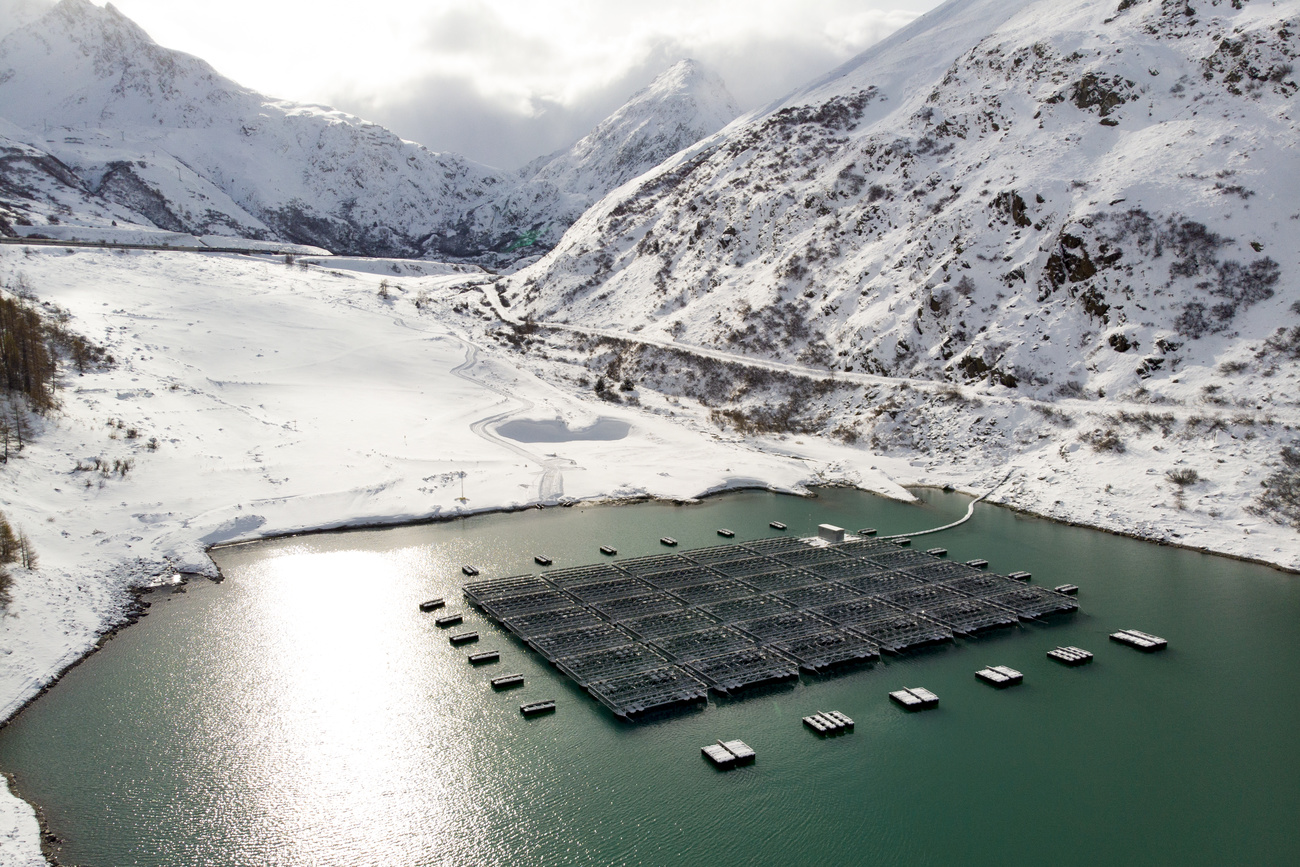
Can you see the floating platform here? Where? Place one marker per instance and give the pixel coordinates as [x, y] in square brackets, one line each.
[526, 603]
[1067, 589]
[828, 722]
[1030, 603]
[726, 534]
[659, 633]
[937, 552]
[583, 639]
[742, 751]
[507, 681]
[614, 588]
[448, 620]
[827, 651]
[978, 563]
[719, 756]
[1019, 576]
[484, 657]
[668, 540]
[536, 708]
[915, 698]
[830, 533]
[744, 669]
[705, 643]
[1000, 676]
[971, 616]
[607, 550]
[612, 662]
[479, 592]
[776, 525]
[842, 718]
[1143, 641]
[867, 531]
[653, 692]
[540, 623]
[901, 632]
[542, 560]
[469, 570]
[432, 604]
[726, 755]
[463, 638]
[1070, 656]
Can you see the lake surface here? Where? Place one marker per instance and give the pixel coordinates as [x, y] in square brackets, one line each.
[303, 712]
[554, 430]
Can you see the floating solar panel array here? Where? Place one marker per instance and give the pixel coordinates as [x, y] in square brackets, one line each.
[655, 633]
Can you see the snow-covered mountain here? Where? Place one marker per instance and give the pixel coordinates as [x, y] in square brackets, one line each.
[683, 105]
[105, 124]
[1060, 197]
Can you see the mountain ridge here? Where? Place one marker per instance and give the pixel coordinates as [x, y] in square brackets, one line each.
[911, 234]
[160, 134]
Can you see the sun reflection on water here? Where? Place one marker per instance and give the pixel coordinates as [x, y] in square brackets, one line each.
[340, 715]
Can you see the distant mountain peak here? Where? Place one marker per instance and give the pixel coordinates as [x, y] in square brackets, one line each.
[684, 104]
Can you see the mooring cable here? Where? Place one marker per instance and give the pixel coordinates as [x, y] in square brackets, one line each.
[970, 510]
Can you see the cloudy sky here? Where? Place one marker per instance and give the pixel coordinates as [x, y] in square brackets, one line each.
[503, 81]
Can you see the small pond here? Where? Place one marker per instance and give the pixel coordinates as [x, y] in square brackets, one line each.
[554, 430]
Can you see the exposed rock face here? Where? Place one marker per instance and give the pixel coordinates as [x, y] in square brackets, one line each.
[1002, 191]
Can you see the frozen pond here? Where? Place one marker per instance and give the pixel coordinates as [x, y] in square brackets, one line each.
[554, 430]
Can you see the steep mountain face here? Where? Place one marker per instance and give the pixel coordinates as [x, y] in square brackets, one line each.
[1063, 198]
[683, 105]
[147, 133]
[161, 133]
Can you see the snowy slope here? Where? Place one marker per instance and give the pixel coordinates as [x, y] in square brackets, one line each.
[1065, 197]
[682, 105]
[164, 134]
[175, 145]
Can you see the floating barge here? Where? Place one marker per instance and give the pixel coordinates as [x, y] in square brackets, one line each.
[726, 755]
[726, 534]
[469, 570]
[915, 698]
[448, 620]
[608, 551]
[828, 722]
[1143, 641]
[484, 657]
[1019, 576]
[668, 540]
[432, 604]
[1000, 676]
[776, 525]
[541, 560]
[507, 681]
[537, 708]
[978, 563]
[1067, 589]
[938, 552]
[1071, 656]
[463, 638]
[661, 633]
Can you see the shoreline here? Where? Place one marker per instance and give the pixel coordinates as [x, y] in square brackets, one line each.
[137, 609]
[139, 605]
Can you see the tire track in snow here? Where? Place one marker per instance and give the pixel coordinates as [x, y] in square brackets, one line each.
[550, 486]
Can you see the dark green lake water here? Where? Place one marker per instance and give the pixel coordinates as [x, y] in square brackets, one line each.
[303, 712]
